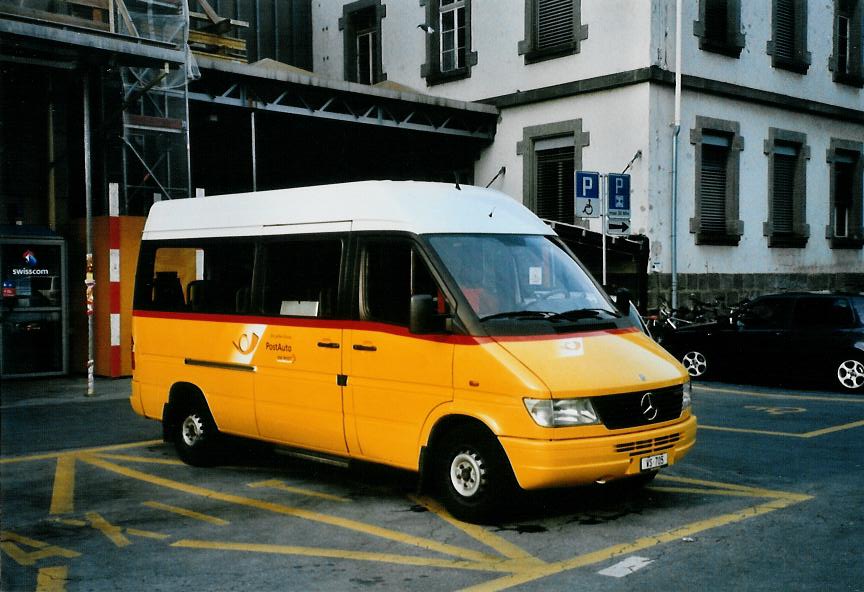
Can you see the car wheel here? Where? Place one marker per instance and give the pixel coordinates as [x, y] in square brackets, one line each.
[850, 374]
[695, 363]
[195, 435]
[474, 475]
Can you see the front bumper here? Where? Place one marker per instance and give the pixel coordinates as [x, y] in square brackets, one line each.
[561, 463]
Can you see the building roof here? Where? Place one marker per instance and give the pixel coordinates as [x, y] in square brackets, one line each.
[416, 207]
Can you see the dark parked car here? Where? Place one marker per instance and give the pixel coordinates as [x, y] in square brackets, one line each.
[810, 335]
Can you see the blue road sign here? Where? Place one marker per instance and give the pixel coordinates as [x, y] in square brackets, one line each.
[587, 194]
[619, 196]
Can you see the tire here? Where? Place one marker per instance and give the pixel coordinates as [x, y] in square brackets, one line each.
[474, 475]
[195, 435]
[849, 374]
[696, 364]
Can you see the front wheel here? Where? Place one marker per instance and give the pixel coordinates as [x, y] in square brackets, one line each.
[696, 364]
[850, 374]
[195, 435]
[474, 475]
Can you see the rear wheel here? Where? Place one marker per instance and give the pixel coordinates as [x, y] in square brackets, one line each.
[850, 374]
[474, 475]
[696, 364]
[195, 435]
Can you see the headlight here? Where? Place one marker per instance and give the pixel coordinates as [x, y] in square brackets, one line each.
[686, 401]
[556, 413]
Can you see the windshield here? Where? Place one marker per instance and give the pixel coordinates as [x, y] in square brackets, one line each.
[523, 280]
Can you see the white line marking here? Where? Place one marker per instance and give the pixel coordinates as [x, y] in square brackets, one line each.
[626, 567]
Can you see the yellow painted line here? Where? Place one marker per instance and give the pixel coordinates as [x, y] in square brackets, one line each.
[831, 430]
[676, 534]
[141, 459]
[111, 532]
[51, 455]
[187, 513]
[147, 534]
[282, 486]
[69, 522]
[52, 579]
[752, 491]
[490, 539]
[699, 389]
[10, 541]
[700, 491]
[63, 495]
[354, 525]
[488, 565]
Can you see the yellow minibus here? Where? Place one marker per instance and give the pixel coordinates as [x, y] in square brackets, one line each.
[430, 327]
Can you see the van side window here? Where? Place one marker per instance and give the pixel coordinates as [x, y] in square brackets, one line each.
[301, 277]
[204, 277]
[393, 271]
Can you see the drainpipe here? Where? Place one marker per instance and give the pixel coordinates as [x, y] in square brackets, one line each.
[89, 278]
[676, 129]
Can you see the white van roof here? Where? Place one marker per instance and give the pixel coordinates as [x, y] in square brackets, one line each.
[418, 207]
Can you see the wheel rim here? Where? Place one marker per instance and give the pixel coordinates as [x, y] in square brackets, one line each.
[467, 473]
[695, 363]
[192, 430]
[851, 374]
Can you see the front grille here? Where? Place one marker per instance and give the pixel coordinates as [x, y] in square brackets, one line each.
[649, 446]
[627, 410]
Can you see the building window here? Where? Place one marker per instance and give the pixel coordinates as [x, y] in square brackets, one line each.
[787, 189]
[361, 28]
[719, 27]
[553, 28]
[448, 44]
[717, 146]
[788, 46]
[550, 155]
[846, 194]
[846, 60]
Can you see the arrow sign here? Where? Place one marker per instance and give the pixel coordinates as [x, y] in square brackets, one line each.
[618, 226]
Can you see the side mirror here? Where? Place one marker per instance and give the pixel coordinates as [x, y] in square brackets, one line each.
[422, 315]
[622, 301]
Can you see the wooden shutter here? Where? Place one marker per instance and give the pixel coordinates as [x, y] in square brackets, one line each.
[554, 23]
[784, 29]
[555, 184]
[717, 20]
[783, 199]
[715, 158]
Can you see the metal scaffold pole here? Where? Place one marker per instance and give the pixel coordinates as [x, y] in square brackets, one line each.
[89, 278]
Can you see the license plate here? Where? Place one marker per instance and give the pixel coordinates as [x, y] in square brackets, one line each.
[654, 462]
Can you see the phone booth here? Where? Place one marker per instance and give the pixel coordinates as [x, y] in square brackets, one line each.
[34, 309]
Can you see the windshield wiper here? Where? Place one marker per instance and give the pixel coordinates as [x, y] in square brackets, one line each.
[572, 315]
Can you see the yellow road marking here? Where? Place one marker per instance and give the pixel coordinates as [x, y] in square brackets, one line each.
[499, 565]
[187, 513]
[141, 459]
[113, 533]
[718, 487]
[9, 542]
[490, 539]
[833, 399]
[640, 544]
[69, 522]
[282, 486]
[805, 435]
[147, 534]
[63, 495]
[52, 579]
[420, 542]
[50, 455]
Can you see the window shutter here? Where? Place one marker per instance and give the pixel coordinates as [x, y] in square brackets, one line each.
[784, 29]
[555, 184]
[554, 23]
[784, 188]
[713, 188]
[716, 20]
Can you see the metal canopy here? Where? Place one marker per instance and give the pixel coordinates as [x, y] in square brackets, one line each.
[257, 88]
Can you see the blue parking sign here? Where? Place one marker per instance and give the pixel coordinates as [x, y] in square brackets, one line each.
[587, 194]
[619, 196]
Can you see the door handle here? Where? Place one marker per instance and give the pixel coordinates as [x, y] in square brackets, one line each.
[329, 344]
[359, 347]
